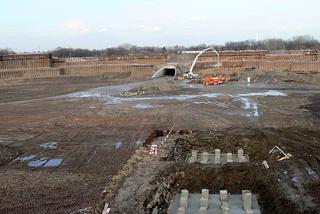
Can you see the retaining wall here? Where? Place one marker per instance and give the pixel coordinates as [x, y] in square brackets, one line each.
[235, 66]
[73, 70]
[17, 61]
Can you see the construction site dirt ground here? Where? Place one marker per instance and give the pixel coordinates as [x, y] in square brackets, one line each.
[64, 141]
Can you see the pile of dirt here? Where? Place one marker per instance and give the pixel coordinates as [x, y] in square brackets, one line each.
[154, 86]
[277, 77]
[314, 107]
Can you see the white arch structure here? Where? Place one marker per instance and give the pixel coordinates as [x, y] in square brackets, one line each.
[197, 57]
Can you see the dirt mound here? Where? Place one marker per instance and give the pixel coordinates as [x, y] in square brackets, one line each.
[155, 86]
[314, 107]
[276, 77]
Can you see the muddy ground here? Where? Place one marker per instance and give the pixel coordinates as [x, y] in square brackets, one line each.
[62, 141]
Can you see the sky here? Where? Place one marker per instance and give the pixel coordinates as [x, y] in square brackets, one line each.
[41, 25]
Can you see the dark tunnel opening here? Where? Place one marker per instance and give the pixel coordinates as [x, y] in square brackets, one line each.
[169, 72]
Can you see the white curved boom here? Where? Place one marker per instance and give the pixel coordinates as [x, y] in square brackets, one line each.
[196, 59]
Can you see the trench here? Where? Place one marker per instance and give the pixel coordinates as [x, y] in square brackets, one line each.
[273, 188]
[195, 177]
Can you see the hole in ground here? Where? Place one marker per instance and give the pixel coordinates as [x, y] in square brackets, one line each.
[195, 177]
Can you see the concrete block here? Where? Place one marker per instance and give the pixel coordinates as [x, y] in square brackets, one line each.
[223, 195]
[217, 156]
[194, 154]
[217, 153]
[203, 210]
[225, 207]
[225, 211]
[240, 155]
[247, 200]
[184, 193]
[183, 202]
[204, 202]
[181, 210]
[205, 193]
[229, 158]
[249, 212]
[205, 157]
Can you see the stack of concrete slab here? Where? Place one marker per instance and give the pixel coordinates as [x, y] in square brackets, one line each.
[217, 157]
[222, 203]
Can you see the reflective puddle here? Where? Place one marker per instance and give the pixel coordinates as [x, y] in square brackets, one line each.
[117, 145]
[50, 145]
[108, 99]
[139, 142]
[53, 162]
[146, 106]
[40, 162]
[250, 107]
[26, 158]
[45, 162]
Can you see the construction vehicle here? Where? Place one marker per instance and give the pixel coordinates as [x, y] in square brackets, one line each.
[213, 80]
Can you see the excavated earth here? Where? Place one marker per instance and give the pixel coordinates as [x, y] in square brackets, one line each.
[69, 145]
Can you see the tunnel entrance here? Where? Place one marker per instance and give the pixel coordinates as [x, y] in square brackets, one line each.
[169, 72]
[166, 71]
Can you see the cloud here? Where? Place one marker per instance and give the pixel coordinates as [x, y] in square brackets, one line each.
[199, 18]
[104, 29]
[39, 34]
[149, 28]
[77, 26]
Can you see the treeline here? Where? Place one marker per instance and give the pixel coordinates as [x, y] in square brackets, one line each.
[120, 50]
[6, 51]
[296, 43]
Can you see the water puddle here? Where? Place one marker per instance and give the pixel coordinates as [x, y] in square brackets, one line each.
[117, 145]
[45, 162]
[263, 94]
[312, 173]
[50, 145]
[26, 158]
[295, 179]
[53, 162]
[145, 106]
[105, 95]
[38, 163]
[139, 142]
[250, 107]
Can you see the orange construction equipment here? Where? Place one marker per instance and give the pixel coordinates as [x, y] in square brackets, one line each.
[213, 80]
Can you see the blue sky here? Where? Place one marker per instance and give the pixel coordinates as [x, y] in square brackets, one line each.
[33, 25]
